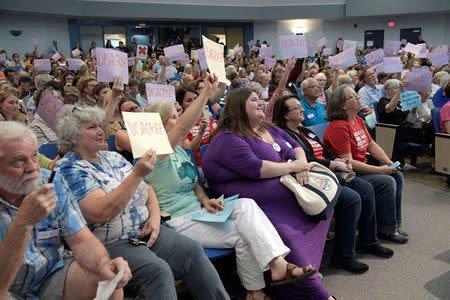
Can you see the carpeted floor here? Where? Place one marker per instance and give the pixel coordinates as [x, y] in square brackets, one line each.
[419, 269]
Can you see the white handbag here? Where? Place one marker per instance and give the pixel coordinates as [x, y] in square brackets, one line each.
[319, 196]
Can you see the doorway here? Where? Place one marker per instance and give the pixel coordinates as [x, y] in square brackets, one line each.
[377, 36]
[411, 35]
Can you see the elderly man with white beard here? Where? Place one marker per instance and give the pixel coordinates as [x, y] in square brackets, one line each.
[34, 216]
[371, 92]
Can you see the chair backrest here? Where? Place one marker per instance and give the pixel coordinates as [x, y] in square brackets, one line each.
[375, 106]
[112, 142]
[220, 112]
[435, 114]
[49, 150]
[203, 150]
[191, 155]
[319, 129]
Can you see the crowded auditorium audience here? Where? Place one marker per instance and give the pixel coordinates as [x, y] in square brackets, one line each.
[101, 197]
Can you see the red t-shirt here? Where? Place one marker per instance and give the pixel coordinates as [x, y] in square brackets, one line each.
[317, 147]
[343, 137]
[195, 130]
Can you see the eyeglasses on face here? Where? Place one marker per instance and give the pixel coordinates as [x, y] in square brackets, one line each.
[354, 96]
[313, 87]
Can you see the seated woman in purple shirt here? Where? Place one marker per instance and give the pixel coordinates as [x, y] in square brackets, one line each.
[248, 156]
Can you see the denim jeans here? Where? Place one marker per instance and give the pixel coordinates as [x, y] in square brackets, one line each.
[388, 196]
[172, 255]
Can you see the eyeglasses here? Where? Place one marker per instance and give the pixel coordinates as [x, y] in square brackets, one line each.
[314, 87]
[354, 96]
[133, 109]
[295, 108]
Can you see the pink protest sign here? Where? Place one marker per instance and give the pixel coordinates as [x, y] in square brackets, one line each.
[350, 45]
[293, 46]
[170, 72]
[34, 41]
[141, 51]
[74, 63]
[369, 43]
[185, 61]
[111, 63]
[2, 57]
[266, 52]
[414, 49]
[175, 52]
[48, 107]
[392, 64]
[42, 64]
[327, 51]
[375, 57]
[160, 92]
[344, 59]
[418, 80]
[56, 56]
[202, 59]
[254, 48]
[131, 61]
[250, 43]
[403, 41]
[340, 44]
[321, 43]
[439, 58]
[270, 62]
[360, 44]
[378, 68]
[422, 55]
[391, 47]
[76, 52]
[310, 50]
[238, 50]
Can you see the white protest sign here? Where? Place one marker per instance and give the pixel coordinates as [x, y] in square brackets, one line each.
[374, 57]
[141, 51]
[175, 52]
[56, 56]
[270, 62]
[131, 61]
[403, 41]
[340, 44]
[439, 58]
[369, 43]
[350, 45]
[48, 107]
[34, 41]
[293, 46]
[378, 68]
[327, 51]
[360, 44]
[185, 61]
[321, 43]
[202, 59]
[194, 54]
[250, 43]
[74, 63]
[146, 131]
[2, 57]
[344, 59]
[255, 48]
[214, 58]
[418, 80]
[391, 47]
[238, 50]
[414, 49]
[392, 64]
[266, 52]
[310, 50]
[42, 64]
[107, 287]
[111, 63]
[169, 73]
[159, 92]
[410, 99]
[76, 52]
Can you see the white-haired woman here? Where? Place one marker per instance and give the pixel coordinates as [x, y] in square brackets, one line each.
[390, 111]
[322, 80]
[175, 183]
[119, 206]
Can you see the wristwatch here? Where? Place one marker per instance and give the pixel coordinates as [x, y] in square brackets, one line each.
[335, 164]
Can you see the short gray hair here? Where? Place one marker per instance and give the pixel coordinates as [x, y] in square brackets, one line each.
[254, 86]
[321, 75]
[12, 130]
[69, 121]
[391, 83]
[305, 84]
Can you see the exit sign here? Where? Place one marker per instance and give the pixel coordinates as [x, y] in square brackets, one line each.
[391, 24]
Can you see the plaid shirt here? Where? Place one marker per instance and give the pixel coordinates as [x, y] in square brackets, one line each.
[43, 256]
[84, 177]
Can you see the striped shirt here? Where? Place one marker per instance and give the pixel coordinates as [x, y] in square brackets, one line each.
[83, 177]
[44, 254]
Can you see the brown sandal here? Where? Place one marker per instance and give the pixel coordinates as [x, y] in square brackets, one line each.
[289, 278]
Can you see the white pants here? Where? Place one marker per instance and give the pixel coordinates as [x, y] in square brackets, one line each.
[248, 230]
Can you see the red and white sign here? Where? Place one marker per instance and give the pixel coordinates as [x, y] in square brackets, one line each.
[439, 58]
[321, 43]
[214, 58]
[42, 64]
[175, 52]
[202, 59]
[344, 59]
[369, 43]
[414, 49]
[48, 107]
[74, 64]
[56, 56]
[327, 51]
[266, 52]
[160, 92]
[111, 63]
[131, 61]
[293, 46]
[392, 47]
[270, 62]
[418, 80]
[375, 57]
[141, 51]
[238, 50]
[392, 64]
[76, 52]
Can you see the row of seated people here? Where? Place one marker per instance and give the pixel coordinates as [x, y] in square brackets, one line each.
[246, 156]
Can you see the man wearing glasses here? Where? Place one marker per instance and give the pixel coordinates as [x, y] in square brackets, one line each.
[314, 111]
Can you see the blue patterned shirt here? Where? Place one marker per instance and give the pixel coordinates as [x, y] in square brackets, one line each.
[84, 177]
[43, 255]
